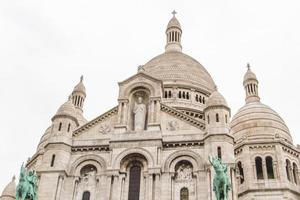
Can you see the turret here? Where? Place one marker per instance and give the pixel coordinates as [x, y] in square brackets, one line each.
[173, 34]
[251, 86]
[78, 95]
[217, 116]
[65, 120]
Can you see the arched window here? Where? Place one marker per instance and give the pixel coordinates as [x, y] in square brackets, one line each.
[184, 194]
[52, 160]
[69, 127]
[203, 100]
[179, 94]
[197, 98]
[208, 120]
[269, 165]
[86, 195]
[187, 95]
[241, 172]
[295, 173]
[170, 94]
[166, 94]
[183, 95]
[259, 169]
[226, 119]
[217, 117]
[134, 182]
[287, 168]
[220, 153]
[59, 126]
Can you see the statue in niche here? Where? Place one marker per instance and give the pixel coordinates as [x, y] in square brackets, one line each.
[139, 112]
[184, 172]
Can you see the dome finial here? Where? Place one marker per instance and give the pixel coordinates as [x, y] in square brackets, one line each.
[81, 78]
[248, 66]
[174, 13]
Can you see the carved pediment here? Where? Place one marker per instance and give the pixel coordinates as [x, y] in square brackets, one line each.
[140, 80]
[101, 125]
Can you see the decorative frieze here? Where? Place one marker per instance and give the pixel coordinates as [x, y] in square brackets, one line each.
[183, 116]
[90, 148]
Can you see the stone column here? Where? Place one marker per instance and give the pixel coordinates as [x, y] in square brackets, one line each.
[157, 187]
[120, 110]
[125, 113]
[116, 187]
[166, 185]
[122, 177]
[157, 111]
[152, 110]
[265, 173]
[150, 187]
[76, 181]
[108, 187]
[209, 185]
[102, 187]
[59, 187]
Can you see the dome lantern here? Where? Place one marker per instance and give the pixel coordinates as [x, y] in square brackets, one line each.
[78, 95]
[173, 34]
[251, 86]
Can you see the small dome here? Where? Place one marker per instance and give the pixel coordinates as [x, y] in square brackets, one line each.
[249, 75]
[174, 23]
[256, 121]
[9, 191]
[80, 86]
[44, 138]
[67, 109]
[216, 99]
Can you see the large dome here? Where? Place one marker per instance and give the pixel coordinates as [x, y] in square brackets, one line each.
[177, 67]
[256, 121]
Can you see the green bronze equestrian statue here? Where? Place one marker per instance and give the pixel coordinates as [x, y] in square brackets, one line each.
[221, 184]
[27, 186]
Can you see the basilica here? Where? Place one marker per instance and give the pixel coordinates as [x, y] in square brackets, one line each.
[155, 144]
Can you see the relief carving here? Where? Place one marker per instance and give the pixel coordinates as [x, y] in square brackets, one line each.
[184, 172]
[104, 129]
[173, 126]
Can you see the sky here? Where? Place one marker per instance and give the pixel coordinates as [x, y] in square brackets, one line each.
[45, 46]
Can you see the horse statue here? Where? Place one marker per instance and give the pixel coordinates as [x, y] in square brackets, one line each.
[221, 184]
[27, 186]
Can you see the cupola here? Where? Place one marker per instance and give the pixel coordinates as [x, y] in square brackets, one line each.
[78, 95]
[173, 34]
[251, 86]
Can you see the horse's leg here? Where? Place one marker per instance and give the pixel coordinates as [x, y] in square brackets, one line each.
[225, 191]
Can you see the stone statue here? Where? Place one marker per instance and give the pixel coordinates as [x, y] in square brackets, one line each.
[221, 184]
[139, 112]
[27, 186]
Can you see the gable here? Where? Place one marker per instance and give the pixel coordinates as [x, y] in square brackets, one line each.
[98, 127]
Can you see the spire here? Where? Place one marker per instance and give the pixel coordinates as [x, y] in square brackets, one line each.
[251, 86]
[79, 94]
[173, 34]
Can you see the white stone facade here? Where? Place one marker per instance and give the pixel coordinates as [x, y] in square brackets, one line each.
[118, 157]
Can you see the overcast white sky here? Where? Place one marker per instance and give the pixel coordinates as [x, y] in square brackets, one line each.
[46, 45]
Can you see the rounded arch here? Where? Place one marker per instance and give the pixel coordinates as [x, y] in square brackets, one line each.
[82, 161]
[132, 87]
[143, 152]
[174, 158]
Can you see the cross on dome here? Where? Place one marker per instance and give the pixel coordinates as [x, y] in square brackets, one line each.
[174, 13]
[248, 66]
